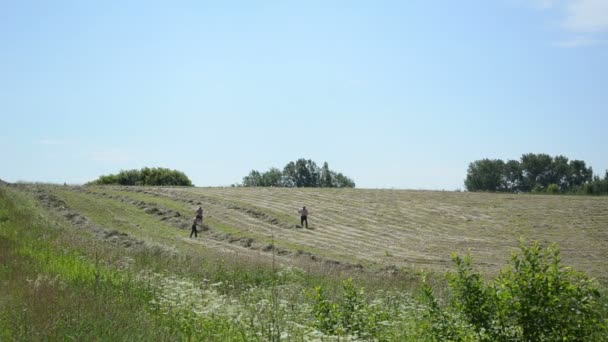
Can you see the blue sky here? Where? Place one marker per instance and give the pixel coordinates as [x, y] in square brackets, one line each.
[394, 94]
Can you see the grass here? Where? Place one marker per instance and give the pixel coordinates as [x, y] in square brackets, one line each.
[408, 229]
[63, 279]
[67, 285]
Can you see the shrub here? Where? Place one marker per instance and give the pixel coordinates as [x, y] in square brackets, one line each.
[553, 189]
[535, 299]
[537, 189]
[350, 314]
[145, 176]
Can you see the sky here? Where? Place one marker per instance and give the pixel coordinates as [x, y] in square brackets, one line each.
[394, 94]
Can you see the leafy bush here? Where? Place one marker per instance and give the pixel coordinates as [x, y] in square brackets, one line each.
[350, 314]
[535, 299]
[145, 176]
[553, 189]
[596, 187]
[538, 189]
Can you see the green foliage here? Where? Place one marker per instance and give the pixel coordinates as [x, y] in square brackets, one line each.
[301, 173]
[350, 314]
[471, 296]
[533, 173]
[537, 189]
[553, 189]
[485, 175]
[59, 284]
[535, 299]
[145, 176]
[326, 313]
[596, 187]
[439, 324]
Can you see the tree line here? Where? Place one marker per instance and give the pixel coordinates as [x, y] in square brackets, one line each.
[535, 173]
[301, 173]
[156, 176]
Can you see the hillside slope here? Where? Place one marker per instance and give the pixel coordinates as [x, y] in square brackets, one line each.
[349, 228]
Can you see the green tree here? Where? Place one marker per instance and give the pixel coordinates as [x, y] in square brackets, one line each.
[272, 177]
[536, 170]
[512, 176]
[289, 177]
[560, 170]
[485, 175]
[341, 181]
[579, 174]
[326, 176]
[301, 173]
[254, 178]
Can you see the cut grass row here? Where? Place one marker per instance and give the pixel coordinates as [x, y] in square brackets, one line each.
[419, 228]
[219, 217]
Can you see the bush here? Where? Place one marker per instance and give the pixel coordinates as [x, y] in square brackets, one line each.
[535, 299]
[145, 176]
[553, 189]
[537, 189]
[350, 314]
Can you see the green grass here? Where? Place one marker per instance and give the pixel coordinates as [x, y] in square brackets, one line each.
[63, 281]
[92, 206]
[66, 285]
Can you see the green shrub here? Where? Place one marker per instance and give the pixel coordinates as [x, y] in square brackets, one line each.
[349, 314]
[146, 176]
[553, 189]
[537, 189]
[535, 299]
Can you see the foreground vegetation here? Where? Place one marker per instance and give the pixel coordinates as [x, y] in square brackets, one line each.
[62, 278]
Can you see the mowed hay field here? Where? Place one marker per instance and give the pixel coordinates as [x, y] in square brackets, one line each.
[357, 229]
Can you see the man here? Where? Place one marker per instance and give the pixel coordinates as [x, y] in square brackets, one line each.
[194, 231]
[303, 216]
[199, 215]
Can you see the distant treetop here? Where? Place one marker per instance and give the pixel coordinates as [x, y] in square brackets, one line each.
[535, 173]
[145, 176]
[301, 173]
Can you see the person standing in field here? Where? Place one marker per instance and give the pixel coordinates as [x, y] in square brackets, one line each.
[303, 216]
[199, 215]
[194, 231]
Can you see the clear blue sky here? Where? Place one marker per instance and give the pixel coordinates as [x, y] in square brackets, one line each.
[401, 94]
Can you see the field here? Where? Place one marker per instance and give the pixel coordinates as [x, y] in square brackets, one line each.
[381, 238]
[371, 229]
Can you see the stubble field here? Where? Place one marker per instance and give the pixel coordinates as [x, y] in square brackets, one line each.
[117, 263]
[394, 230]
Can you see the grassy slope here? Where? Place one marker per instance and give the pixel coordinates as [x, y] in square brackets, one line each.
[62, 280]
[414, 229]
[70, 279]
